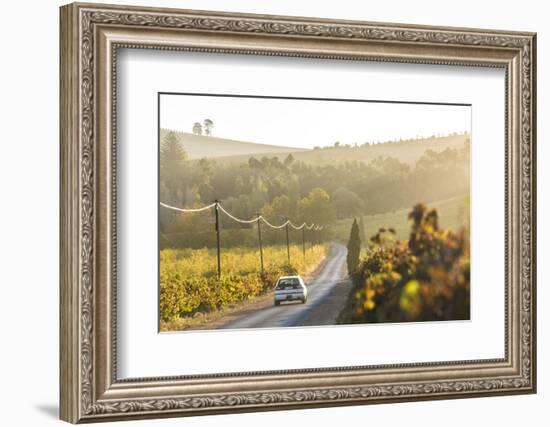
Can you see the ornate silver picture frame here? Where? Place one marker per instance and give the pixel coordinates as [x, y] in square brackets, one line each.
[91, 37]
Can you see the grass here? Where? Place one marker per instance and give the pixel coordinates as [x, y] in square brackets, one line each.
[453, 214]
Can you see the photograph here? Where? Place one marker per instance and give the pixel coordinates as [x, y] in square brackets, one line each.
[295, 212]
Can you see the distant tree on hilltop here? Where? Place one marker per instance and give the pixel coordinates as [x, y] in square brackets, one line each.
[197, 128]
[208, 125]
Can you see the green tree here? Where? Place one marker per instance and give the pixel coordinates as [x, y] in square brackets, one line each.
[317, 208]
[239, 207]
[202, 178]
[362, 232]
[354, 248]
[288, 160]
[347, 203]
[280, 208]
[172, 166]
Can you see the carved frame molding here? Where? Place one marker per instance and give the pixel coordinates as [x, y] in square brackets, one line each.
[90, 36]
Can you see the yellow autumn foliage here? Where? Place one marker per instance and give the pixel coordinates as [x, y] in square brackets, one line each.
[189, 282]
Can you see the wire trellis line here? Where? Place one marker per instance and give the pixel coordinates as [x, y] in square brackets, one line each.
[258, 219]
[204, 208]
[245, 221]
[242, 221]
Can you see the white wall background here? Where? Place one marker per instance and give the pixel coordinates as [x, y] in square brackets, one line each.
[29, 170]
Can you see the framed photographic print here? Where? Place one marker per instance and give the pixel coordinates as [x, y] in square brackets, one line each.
[266, 212]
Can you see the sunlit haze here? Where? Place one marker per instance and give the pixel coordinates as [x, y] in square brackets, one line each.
[310, 123]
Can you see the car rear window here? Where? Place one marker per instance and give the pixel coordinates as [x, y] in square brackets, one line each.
[283, 283]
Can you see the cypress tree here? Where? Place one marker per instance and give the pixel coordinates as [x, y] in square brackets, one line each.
[354, 248]
[362, 232]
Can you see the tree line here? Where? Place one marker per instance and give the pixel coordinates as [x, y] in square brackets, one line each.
[301, 191]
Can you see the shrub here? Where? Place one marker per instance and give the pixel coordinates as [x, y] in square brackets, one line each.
[426, 278]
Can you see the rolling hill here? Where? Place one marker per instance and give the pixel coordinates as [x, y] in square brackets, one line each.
[199, 146]
[408, 151]
[229, 150]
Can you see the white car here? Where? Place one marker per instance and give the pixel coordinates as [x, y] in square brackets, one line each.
[290, 288]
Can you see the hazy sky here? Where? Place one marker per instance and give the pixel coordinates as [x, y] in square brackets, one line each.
[306, 123]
